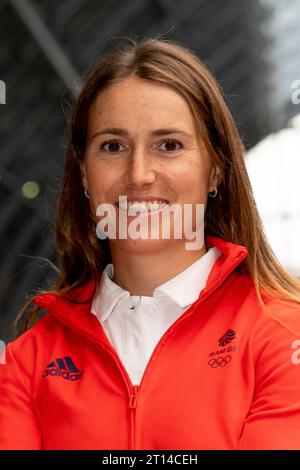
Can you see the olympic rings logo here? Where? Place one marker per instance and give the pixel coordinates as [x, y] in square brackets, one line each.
[220, 361]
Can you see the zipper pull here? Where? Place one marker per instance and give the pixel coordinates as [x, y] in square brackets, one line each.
[133, 398]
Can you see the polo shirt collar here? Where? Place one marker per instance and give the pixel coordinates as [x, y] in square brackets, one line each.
[184, 288]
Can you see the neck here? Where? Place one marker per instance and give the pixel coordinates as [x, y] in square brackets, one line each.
[141, 273]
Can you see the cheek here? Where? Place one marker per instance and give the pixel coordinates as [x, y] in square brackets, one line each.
[100, 179]
[191, 183]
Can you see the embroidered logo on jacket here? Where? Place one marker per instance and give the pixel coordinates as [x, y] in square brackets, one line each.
[220, 361]
[222, 356]
[228, 336]
[63, 367]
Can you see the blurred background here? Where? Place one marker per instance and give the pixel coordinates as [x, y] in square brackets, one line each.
[253, 49]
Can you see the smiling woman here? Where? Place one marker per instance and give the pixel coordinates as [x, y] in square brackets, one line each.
[145, 344]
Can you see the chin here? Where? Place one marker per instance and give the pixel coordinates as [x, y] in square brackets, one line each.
[141, 246]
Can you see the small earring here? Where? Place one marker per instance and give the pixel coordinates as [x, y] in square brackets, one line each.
[213, 193]
[86, 193]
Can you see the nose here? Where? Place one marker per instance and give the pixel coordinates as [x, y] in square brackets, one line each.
[141, 169]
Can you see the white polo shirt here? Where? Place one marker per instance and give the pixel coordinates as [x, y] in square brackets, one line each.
[134, 324]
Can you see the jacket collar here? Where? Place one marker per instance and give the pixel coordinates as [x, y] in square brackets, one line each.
[77, 315]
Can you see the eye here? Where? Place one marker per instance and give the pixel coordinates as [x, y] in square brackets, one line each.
[171, 145]
[114, 144]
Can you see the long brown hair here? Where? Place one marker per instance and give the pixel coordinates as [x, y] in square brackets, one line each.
[232, 215]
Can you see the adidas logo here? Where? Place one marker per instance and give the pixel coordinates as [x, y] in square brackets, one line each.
[64, 368]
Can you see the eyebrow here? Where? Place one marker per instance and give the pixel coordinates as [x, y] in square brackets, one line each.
[120, 131]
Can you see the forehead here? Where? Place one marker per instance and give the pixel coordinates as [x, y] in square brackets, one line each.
[144, 102]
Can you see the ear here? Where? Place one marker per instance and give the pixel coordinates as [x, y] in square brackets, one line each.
[83, 174]
[214, 178]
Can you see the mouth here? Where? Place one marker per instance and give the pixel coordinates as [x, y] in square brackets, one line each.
[148, 205]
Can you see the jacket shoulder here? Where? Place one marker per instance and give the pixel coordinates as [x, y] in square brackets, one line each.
[34, 343]
[283, 313]
[29, 353]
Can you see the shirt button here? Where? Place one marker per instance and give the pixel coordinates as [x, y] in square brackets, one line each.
[154, 308]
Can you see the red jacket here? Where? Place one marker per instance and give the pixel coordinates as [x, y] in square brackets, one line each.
[225, 375]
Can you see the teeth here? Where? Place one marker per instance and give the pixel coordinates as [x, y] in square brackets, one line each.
[143, 206]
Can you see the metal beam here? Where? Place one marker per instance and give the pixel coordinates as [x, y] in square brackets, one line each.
[48, 44]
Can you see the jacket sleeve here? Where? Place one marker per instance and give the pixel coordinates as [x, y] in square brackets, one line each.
[19, 429]
[273, 421]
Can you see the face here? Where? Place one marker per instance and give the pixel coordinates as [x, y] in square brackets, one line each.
[143, 142]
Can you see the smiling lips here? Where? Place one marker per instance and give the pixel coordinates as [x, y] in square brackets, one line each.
[141, 204]
[132, 207]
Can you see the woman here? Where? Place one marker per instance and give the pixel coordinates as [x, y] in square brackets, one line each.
[145, 344]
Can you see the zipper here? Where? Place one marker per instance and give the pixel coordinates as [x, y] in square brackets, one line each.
[132, 406]
[133, 396]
